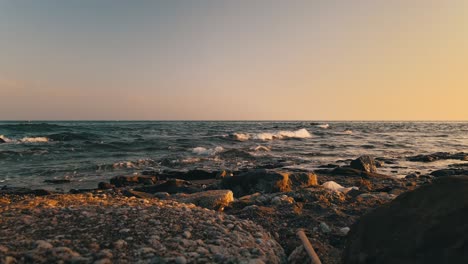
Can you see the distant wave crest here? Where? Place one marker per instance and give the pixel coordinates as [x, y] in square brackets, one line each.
[34, 140]
[285, 134]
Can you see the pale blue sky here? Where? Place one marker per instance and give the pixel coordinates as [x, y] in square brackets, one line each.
[114, 59]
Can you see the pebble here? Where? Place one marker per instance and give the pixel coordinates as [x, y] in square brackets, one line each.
[325, 228]
[181, 260]
[42, 244]
[187, 234]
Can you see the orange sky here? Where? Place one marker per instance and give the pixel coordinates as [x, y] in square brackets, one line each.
[222, 60]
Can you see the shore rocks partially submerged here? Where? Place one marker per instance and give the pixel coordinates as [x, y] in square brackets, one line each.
[325, 204]
[439, 156]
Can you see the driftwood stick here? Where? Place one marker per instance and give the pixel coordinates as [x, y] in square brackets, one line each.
[308, 247]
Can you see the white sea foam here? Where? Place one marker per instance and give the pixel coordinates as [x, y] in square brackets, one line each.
[324, 126]
[285, 134]
[241, 136]
[207, 152]
[262, 148]
[34, 140]
[5, 138]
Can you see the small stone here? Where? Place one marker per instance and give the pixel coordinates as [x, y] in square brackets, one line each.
[120, 244]
[42, 244]
[10, 260]
[181, 260]
[103, 261]
[187, 234]
[325, 228]
[344, 230]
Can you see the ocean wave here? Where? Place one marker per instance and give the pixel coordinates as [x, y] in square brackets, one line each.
[324, 126]
[261, 149]
[5, 139]
[133, 164]
[31, 127]
[284, 134]
[207, 152]
[34, 140]
[69, 136]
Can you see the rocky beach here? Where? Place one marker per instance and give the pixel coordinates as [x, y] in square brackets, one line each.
[350, 213]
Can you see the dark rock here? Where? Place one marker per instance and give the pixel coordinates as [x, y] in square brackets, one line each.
[439, 156]
[105, 186]
[191, 175]
[137, 194]
[449, 172]
[171, 187]
[2, 141]
[57, 181]
[266, 181]
[23, 191]
[364, 163]
[122, 181]
[348, 171]
[428, 225]
[214, 199]
[328, 166]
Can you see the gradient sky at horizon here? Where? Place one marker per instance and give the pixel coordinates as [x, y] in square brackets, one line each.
[234, 60]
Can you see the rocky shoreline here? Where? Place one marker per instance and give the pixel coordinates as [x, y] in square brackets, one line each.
[216, 217]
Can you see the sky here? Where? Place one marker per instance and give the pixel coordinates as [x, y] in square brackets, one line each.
[234, 60]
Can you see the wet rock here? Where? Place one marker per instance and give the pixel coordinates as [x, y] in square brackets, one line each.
[171, 187]
[57, 181]
[449, 172]
[133, 193]
[23, 191]
[2, 141]
[105, 186]
[364, 163]
[348, 171]
[439, 156]
[191, 175]
[427, 225]
[266, 181]
[122, 181]
[215, 199]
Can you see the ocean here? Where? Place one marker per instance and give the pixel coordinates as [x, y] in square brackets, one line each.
[87, 152]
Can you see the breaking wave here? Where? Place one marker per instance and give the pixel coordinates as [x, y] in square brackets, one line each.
[324, 126]
[285, 134]
[2, 137]
[34, 140]
[207, 152]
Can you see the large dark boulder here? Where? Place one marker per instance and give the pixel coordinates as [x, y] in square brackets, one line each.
[122, 181]
[428, 225]
[266, 181]
[364, 163]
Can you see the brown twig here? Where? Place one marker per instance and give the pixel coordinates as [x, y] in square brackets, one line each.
[308, 247]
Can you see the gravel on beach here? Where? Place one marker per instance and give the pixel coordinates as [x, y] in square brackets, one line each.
[109, 228]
